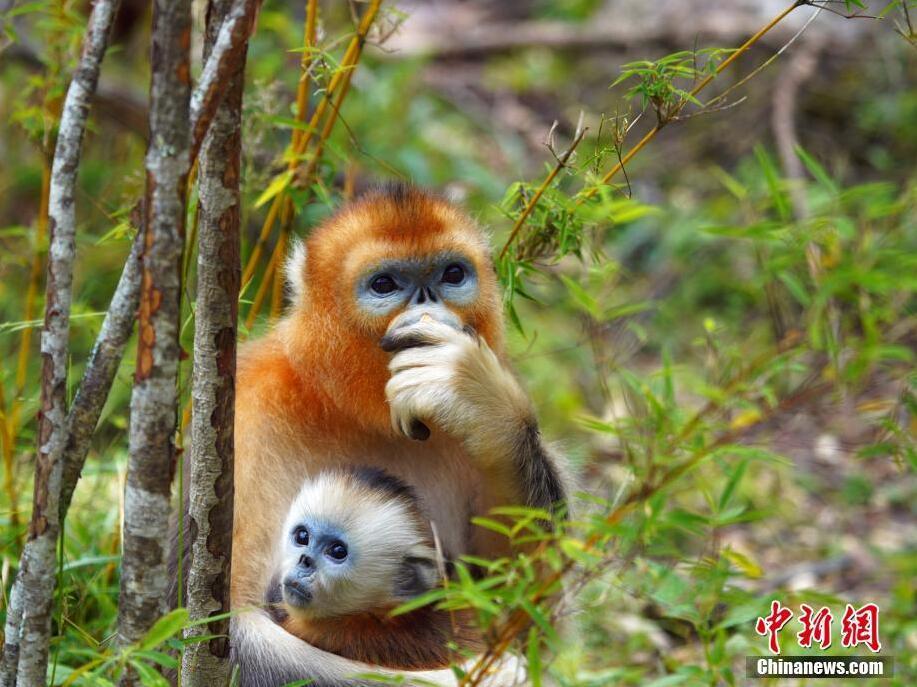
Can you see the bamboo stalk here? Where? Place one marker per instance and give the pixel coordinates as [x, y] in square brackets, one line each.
[302, 107]
[305, 66]
[35, 272]
[341, 76]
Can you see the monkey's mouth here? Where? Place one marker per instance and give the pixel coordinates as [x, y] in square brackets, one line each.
[296, 593]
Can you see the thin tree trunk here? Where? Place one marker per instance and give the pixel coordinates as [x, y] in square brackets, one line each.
[151, 465]
[213, 388]
[33, 591]
[225, 49]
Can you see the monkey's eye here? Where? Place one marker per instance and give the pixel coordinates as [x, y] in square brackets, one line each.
[301, 536]
[454, 274]
[383, 285]
[337, 550]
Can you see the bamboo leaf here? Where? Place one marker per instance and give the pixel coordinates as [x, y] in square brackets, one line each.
[278, 185]
[166, 627]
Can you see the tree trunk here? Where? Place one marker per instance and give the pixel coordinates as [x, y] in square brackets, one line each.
[28, 629]
[213, 389]
[144, 574]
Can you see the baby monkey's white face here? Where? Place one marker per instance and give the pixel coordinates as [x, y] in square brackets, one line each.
[351, 544]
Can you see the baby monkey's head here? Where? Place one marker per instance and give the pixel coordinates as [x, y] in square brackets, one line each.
[354, 541]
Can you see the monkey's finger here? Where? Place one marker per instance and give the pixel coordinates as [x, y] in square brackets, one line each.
[409, 426]
[423, 333]
[439, 362]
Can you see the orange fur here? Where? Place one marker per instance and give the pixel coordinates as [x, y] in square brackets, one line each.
[419, 640]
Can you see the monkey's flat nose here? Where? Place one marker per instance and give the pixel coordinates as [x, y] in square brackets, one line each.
[424, 295]
[306, 562]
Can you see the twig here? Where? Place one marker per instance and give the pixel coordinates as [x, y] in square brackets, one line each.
[533, 200]
[764, 65]
[651, 134]
[107, 352]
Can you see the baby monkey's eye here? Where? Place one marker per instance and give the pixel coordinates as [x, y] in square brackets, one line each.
[454, 274]
[383, 284]
[301, 536]
[337, 550]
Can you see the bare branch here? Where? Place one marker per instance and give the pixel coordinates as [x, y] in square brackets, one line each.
[100, 371]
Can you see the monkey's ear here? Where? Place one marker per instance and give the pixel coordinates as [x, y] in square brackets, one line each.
[416, 576]
[294, 271]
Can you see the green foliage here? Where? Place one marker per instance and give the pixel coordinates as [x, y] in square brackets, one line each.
[727, 354]
[657, 83]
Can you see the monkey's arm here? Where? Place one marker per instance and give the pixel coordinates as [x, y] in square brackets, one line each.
[453, 380]
[269, 656]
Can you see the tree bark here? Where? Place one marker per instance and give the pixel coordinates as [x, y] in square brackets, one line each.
[225, 48]
[32, 596]
[151, 465]
[213, 389]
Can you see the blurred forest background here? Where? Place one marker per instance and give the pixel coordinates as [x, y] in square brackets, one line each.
[722, 338]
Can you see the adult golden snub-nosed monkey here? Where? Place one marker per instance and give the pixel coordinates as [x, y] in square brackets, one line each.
[391, 356]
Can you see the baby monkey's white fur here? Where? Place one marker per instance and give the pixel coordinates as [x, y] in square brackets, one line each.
[390, 558]
[382, 532]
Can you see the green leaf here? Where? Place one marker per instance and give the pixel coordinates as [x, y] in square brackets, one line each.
[772, 178]
[278, 185]
[817, 171]
[163, 659]
[148, 676]
[795, 287]
[492, 525]
[731, 485]
[581, 296]
[541, 620]
[166, 627]
[533, 654]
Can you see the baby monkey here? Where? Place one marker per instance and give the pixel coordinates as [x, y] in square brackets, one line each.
[355, 545]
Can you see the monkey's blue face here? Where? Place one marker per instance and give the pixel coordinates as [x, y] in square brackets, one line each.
[322, 557]
[417, 286]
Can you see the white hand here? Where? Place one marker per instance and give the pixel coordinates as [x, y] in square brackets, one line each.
[453, 380]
